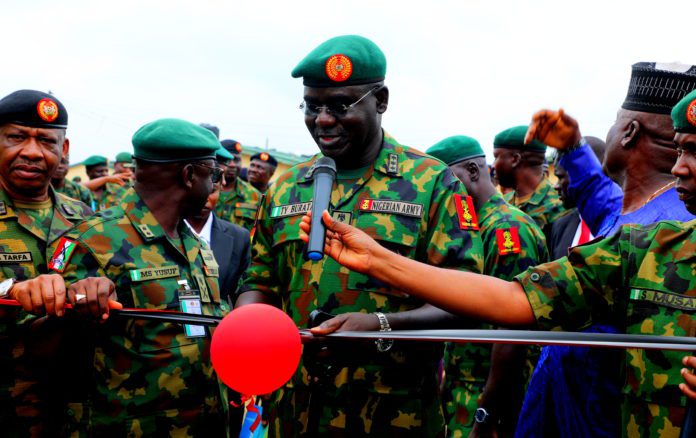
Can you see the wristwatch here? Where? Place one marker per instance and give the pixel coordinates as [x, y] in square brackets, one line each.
[577, 145]
[6, 287]
[482, 416]
[383, 345]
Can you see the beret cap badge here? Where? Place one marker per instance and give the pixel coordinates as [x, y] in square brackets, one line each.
[339, 68]
[264, 156]
[47, 110]
[691, 113]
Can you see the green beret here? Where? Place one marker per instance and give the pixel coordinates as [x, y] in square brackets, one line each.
[222, 155]
[684, 114]
[174, 140]
[454, 149]
[95, 160]
[34, 109]
[513, 138]
[124, 157]
[341, 61]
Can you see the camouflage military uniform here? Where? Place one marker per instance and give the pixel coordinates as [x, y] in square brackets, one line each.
[149, 377]
[239, 205]
[406, 201]
[27, 239]
[544, 205]
[642, 279]
[77, 191]
[110, 197]
[512, 242]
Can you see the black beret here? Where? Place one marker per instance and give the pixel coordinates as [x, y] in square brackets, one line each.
[34, 109]
[232, 146]
[264, 156]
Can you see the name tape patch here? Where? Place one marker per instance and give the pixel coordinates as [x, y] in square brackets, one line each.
[291, 209]
[392, 207]
[153, 273]
[664, 299]
[15, 257]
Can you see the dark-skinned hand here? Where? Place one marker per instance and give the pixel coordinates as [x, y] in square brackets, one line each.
[689, 385]
[94, 296]
[554, 128]
[42, 295]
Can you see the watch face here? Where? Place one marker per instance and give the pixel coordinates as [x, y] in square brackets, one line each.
[5, 286]
[481, 415]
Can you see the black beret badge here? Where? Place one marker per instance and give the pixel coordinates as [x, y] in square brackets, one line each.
[47, 110]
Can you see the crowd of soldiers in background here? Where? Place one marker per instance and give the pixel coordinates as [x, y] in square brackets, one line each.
[179, 224]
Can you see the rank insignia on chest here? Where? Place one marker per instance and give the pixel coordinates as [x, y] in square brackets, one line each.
[147, 232]
[68, 210]
[392, 207]
[466, 212]
[61, 256]
[393, 164]
[342, 216]
[290, 209]
[508, 240]
[3, 208]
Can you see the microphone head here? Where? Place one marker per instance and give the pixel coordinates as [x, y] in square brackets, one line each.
[325, 164]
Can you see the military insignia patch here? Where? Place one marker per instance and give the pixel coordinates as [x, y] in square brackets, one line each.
[68, 210]
[147, 232]
[3, 208]
[61, 256]
[466, 212]
[339, 68]
[264, 156]
[238, 147]
[153, 273]
[508, 240]
[290, 209]
[47, 109]
[392, 207]
[691, 113]
[342, 216]
[15, 257]
[393, 166]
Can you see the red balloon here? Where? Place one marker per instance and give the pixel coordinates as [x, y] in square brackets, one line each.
[256, 349]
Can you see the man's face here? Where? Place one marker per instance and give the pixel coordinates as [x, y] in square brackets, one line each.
[121, 168]
[231, 168]
[504, 167]
[562, 186]
[685, 170]
[62, 168]
[342, 136]
[461, 172]
[201, 186]
[29, 157]
[260, 172]
[210, 203]
[95, 172]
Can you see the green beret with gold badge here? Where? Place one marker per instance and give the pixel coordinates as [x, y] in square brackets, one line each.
[455, 149]
[684, 114]
[342, 61]
[174, 140]
[513, 138]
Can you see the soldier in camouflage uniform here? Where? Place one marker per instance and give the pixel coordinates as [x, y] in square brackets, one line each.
[519, 167]
[123, 165]
[512, 243]
[69, 188]
[33, 217]
[642, 278]
[398, 195]
[239, 200]
[153, 378]
[106, 192]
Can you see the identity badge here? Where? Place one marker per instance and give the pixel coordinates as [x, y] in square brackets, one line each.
[190, 302]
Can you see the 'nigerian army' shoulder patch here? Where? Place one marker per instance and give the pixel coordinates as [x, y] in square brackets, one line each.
[290, 209]
[61, 256]
[508, 240]
[392, 207]
[466, 212]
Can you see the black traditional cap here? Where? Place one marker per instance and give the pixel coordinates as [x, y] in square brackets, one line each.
[263, 156]
[212, 128]
[233, 146]
[33, 108]
[655, 88]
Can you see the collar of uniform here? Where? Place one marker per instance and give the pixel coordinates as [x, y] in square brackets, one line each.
[6, 206]
[688, 236]
[65, 206]
[141, 217]
[540, 192]
[492, 205]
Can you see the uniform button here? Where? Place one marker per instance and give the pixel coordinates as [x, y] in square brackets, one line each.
[535, 277]
[70, 413]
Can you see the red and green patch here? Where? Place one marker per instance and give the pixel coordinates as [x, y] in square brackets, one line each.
[466, 212]
[61, 256]
[508, 240]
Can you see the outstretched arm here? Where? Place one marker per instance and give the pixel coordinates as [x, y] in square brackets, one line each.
[478, 296]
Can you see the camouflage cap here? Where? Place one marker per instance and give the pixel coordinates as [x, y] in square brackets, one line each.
[684, 114]
[232, 146]
[34, 109]
[455, 149]
[266, 157]
[174, 140]
[341, 61]
[513, 138]
[95, 160]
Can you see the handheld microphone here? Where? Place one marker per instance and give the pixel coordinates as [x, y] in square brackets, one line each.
[324, 176]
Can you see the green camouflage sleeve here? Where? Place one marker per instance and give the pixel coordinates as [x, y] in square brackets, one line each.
[263, 273]
[532, 249]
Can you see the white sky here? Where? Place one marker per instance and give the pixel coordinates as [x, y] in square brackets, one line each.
[453, 67]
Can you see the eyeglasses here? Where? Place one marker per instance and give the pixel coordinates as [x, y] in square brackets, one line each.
[336, 110]
[215, 172]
